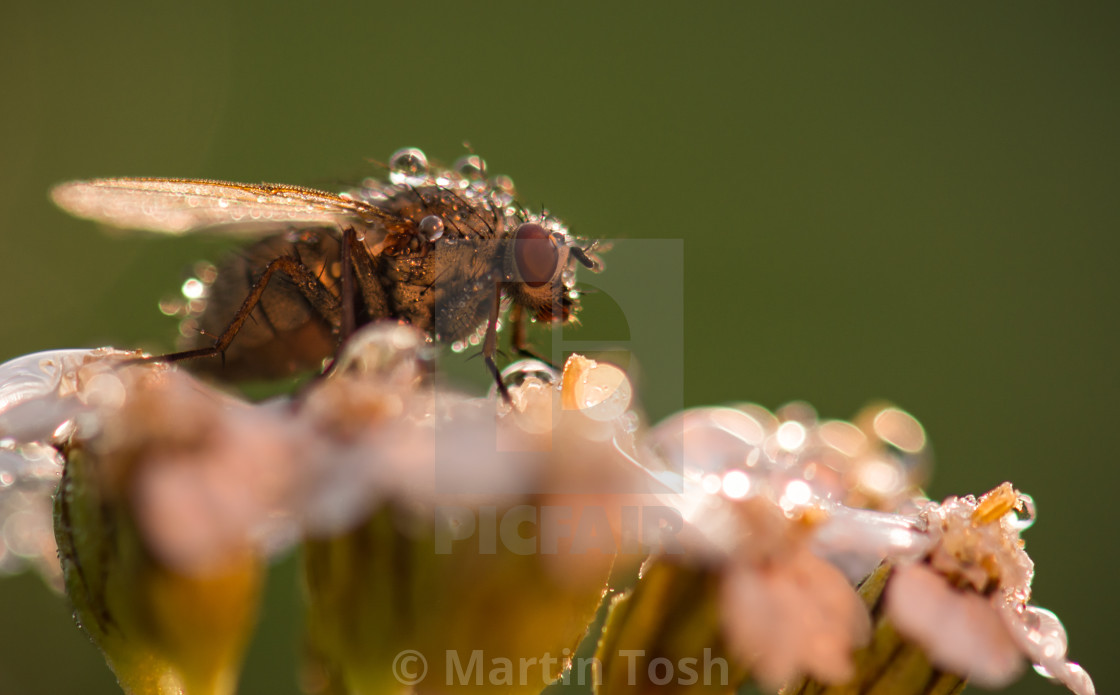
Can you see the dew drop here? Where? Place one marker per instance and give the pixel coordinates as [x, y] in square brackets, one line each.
[471, 167]
[409, 161]
[533, 402]
[189, 328]
[431, 227]
[1075, 678]
[797, 493]
[600, 391]
[205, 271]
[899, 429]
[458, 346]
[64, 430]
[878, 477]
[172, 306]
[711, 483]
[791, 435]
[386, 349]
[194, 288]
[629, 421]
[1046, 632]
[105, 390]
[1025, 518]
[736, 484]
[522, 370]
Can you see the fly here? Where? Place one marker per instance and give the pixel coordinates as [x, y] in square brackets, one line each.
[446, 250]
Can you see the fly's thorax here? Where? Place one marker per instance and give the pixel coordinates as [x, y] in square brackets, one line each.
[448, 292]
[464, 214]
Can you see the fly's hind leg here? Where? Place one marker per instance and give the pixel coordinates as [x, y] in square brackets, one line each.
[310, 286]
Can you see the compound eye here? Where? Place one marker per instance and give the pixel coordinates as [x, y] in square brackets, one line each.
[536, 253]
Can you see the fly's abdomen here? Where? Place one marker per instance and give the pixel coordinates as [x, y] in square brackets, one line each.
[284, 333]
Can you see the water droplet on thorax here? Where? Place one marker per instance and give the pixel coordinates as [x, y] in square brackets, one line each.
[504, 183]
[409, 161]
[471, 167]
[431, 227]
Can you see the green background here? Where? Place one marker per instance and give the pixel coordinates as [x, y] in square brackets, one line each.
[916, 203]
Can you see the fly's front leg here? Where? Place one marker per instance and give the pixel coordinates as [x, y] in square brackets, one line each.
[322, 301]
[490, 345]
[519, 339]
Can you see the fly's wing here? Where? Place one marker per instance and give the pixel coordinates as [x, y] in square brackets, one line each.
[182, 206]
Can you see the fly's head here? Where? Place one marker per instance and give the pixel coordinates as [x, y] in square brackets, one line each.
[540, 265]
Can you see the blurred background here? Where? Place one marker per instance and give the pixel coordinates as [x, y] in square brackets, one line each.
[886, 202]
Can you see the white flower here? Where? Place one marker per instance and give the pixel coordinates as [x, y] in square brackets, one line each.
[967, 606]
[787, 612]
[783, 509]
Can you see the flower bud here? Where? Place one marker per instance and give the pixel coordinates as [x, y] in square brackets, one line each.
[456, 530]
[159, 576]
[665, 635]
[960, 613]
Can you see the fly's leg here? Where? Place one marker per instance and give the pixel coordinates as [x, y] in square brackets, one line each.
[366, 276]
[358, 269]
[519, 339]
[349, 320]
[309, 285]
[490, 346]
